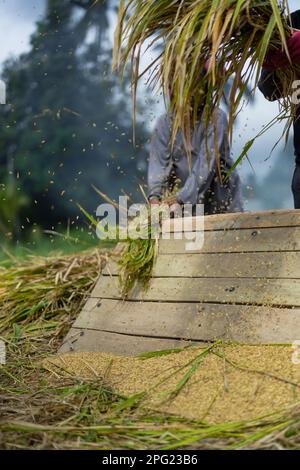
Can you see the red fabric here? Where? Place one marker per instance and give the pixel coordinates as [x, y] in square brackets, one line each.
[279, 60]
[207, 65]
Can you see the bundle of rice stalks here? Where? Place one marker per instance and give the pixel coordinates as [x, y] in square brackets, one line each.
[136, 264]
[137, 255]
[205, 43]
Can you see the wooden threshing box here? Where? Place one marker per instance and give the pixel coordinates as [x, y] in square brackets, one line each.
[242, 286]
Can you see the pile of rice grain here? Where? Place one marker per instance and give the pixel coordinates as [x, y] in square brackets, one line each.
[251, 382]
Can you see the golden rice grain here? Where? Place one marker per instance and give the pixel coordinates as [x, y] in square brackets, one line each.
[253, 381]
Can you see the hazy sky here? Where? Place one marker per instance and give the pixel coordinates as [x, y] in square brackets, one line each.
[17, 19]
[17, 22]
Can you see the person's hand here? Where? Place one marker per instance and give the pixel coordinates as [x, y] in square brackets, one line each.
[171, 202]
[278, 59]
[175, 208]
[155, 202]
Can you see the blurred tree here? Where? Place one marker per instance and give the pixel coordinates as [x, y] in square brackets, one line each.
[67, 125]
[12, 202]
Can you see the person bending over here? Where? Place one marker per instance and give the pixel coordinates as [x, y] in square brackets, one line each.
[169, 171]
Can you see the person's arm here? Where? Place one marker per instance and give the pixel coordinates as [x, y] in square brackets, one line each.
[160, 163]
[203, 171]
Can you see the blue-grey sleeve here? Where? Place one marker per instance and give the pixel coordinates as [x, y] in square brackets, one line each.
[203, 170]
[270, 86]
[160, 162]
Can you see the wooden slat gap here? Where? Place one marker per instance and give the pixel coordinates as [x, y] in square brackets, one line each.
[137, 335]
[242, 304]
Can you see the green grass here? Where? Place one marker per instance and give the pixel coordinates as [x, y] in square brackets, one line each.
[50, 244]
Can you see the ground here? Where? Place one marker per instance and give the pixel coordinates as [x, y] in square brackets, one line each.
[102, 405]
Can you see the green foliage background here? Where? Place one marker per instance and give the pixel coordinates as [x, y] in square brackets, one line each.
[67, 124]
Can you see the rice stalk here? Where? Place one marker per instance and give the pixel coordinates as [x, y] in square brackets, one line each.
[136, 264]
[233, 35]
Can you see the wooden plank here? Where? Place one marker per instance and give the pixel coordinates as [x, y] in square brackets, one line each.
[201, 322]
[124, 345]
[281, 292]
[281, 218]
[236, 241]
[266, 265]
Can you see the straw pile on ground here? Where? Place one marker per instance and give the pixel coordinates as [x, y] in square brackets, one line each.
[45, 294]
[218, 385]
